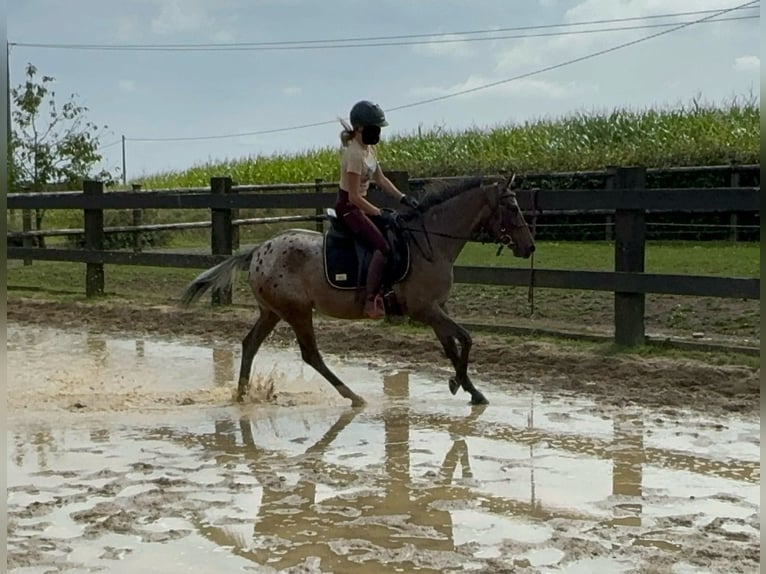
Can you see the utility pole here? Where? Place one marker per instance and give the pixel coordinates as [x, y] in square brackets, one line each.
[8, 102]
[124, 174]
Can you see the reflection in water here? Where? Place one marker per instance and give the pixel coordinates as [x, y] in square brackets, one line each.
[382, 518]
[627, 464]
[343, 531]
[408, 484]
[95, 346]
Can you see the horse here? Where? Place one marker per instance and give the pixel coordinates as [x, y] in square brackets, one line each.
[287, 276]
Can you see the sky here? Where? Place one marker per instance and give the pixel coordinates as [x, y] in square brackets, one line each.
[186, 94]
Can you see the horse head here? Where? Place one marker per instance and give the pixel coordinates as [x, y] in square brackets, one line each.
[506, 223]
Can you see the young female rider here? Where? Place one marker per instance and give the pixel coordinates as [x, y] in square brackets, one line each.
[359, 166]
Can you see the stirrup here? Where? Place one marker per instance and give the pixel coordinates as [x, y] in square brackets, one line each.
[374, 308]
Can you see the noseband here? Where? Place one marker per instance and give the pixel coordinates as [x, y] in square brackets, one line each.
[504, 208]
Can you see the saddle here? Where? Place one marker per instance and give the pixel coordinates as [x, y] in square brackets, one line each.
[346, 258]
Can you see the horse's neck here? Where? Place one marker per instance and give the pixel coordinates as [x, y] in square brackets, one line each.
[453, 222]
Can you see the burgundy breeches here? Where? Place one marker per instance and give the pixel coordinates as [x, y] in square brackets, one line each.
[360, 224]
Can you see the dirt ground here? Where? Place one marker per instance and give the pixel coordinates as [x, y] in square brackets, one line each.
[127, 453]
[617, 379]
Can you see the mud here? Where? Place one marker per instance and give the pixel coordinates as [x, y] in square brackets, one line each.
[519, 363]
[126, 454]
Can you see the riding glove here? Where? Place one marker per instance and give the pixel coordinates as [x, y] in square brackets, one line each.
[389, 218]
[409, 201]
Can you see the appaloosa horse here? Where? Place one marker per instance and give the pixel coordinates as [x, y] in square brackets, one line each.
[287, 276]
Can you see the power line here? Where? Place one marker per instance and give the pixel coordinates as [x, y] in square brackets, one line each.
[462, 92]
[388, 41]
[570, 62]
[111, 144]
[241, 134]
[244, 48]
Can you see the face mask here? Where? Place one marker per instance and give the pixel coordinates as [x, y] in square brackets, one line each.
[370, 135]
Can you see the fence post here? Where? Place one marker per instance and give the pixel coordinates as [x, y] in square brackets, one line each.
[235, 229]
[94, 239]
[733, 219]
[609, 187]
[318, 190]
[138, 219]
[26, 225]
[629, 256]
[401, 179]
[221, 237]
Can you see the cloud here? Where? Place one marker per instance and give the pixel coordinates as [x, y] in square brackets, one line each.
[747, 63]
[438, 47]
[540, 52]
[604, 9]
[175, 17]
[525, 88]
[128, 29]
[187, 16]
[292, 90]
[127, 85]
[223, 36]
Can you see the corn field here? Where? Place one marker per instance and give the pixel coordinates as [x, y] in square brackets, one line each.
[694, 134]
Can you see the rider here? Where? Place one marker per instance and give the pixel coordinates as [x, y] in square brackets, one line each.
[359, 166]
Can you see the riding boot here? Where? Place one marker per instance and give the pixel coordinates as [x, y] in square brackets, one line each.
[373, 304]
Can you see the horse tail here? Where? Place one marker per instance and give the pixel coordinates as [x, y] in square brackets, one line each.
[218, 277]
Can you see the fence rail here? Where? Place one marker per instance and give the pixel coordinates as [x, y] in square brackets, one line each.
[625, 197]
[703, 200]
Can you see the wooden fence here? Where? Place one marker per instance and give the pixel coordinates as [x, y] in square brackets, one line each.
[625, 197]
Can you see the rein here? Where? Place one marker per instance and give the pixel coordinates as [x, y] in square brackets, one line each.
[430, 256]
[533, 231]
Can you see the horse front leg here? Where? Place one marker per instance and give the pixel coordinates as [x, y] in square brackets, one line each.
[456, 342]
[250, 345]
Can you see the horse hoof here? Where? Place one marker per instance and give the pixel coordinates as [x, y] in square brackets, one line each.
[479, 400]
[453, 385]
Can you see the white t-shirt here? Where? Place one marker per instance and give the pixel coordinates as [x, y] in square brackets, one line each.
[357, 159]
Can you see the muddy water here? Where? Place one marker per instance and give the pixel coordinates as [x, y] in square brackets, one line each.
[128, 455]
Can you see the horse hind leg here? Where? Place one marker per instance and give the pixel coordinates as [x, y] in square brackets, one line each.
[303, 326]
[250, 345]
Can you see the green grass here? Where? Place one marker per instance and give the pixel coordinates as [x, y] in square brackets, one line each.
[713, 258]
[724, 259]
[555, 309]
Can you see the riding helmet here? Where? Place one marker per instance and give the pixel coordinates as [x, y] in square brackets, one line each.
[365, 113]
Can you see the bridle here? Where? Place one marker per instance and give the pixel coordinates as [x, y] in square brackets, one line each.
[506, 197]
[499, 226]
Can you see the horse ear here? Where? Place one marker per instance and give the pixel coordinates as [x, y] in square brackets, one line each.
[509, 185]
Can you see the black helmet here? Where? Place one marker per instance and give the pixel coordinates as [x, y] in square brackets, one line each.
[365, 113]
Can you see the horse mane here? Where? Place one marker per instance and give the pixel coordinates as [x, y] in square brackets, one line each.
[439, 192]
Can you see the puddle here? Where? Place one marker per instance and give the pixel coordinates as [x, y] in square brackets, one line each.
[158, 466]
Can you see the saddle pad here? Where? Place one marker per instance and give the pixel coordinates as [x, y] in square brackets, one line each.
[341, 264]
[341, 261]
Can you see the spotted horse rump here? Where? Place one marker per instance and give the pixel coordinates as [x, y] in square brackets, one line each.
[346, 258]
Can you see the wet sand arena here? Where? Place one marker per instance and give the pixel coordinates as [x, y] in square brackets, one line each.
[128, 455]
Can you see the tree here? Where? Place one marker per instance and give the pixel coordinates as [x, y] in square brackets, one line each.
[51, 145]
